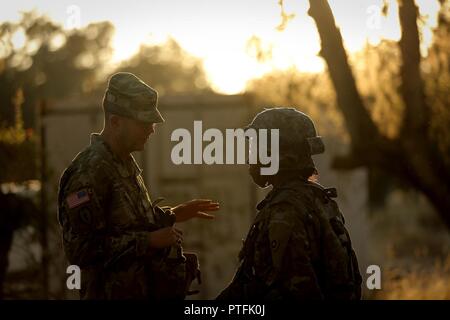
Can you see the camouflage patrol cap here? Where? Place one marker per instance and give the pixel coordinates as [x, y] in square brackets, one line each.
[298, 135]
[128, 96]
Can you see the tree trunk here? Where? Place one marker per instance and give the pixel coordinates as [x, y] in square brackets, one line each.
[413, 156]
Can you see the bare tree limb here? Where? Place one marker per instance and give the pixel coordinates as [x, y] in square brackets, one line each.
[412, 156]
[416, 113]
[358, 121]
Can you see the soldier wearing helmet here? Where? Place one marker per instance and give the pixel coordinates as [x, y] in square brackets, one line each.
[297, 247]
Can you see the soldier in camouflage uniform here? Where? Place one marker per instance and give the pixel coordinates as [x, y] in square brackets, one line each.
[126, 246]
[297, 247]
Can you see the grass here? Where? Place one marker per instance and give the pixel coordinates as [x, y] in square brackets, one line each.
[414, 247]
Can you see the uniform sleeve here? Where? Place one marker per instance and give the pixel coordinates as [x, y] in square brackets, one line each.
[292, 275]
[83, 208]
[165, 217]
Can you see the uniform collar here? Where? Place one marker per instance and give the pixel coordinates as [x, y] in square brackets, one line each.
[263, 203]
[125, 168]
[288, 184]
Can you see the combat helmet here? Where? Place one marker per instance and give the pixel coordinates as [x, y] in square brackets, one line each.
[298, 139]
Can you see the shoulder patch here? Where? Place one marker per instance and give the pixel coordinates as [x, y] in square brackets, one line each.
[78, 198]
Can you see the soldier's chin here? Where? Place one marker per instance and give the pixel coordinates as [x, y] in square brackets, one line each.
[260, 181]
[139, 147]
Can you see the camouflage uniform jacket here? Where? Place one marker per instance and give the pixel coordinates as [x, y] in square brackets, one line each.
[106, 215]
[295, 250]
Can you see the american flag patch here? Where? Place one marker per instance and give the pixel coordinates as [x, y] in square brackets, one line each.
[77, 198]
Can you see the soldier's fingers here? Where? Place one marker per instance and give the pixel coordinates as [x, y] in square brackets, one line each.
[211, 207]
[174, 239]
[201, 201]
[204, 215]
[209, 204]
[177, 236]
[177, 232]
[207, 210]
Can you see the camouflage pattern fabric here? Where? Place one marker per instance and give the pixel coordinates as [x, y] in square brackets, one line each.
[106, 215]
[297, 248]
[128, 96]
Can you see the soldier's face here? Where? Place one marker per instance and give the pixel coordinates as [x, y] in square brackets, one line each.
[254, 169]
[255, 172]
[133, 134]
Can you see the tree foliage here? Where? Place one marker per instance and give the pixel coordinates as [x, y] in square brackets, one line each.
[168, 68]
[390, 102]
[51, 63]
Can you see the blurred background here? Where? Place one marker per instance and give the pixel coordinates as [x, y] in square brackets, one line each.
[374, 75]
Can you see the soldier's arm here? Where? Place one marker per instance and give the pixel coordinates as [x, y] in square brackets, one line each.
[196, 208]
[83, 215]
[292, 275]
[165, 216]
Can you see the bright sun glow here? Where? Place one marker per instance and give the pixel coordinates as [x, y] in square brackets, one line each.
[218, 31]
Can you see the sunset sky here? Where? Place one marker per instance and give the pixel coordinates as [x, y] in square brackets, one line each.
[218, 31]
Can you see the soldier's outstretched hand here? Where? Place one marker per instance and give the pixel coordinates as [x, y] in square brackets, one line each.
[197, 208]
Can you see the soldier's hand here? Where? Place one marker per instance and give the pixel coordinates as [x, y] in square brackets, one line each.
[196, 208]
[165, 237]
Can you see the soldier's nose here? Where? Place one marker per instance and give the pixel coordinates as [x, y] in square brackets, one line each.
[151, 128]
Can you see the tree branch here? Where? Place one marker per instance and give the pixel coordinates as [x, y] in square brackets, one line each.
[358, 121]
[416, 113]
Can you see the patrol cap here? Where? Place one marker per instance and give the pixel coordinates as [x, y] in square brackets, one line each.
[129, 96]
